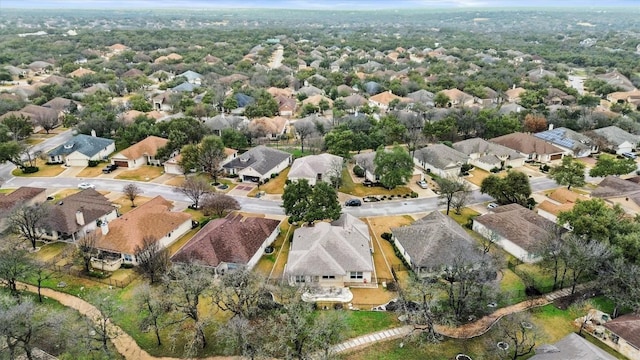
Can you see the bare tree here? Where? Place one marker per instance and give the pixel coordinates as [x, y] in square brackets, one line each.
[621, 282]
[152, 258]
[219, 204]
[42, 274]
[239, 292]
[102, 331]
[335, 173]
[86, 246]
[551, 249]
[47, 123]
[584, 257]
[22, 323]
[515, 337]
[28, 221]
[131, 191]
[304, 128]
[185, 286]
[195, 188]
[153, 307]
[453, 188]
[419, 303]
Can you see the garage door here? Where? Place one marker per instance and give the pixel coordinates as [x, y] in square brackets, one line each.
[556, 157]
[122, 163]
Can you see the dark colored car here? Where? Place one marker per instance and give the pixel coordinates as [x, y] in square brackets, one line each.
[353, 202]
[109, 168]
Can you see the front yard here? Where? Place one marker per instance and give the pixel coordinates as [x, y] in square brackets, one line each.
[351, 187]
[144, 173]
[44, 170]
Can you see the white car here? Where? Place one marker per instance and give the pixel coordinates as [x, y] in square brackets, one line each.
[85, 186]
[423, 184]
[492, 206]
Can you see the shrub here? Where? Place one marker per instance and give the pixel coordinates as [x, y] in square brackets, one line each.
[93, 163]
[387, 236]
[338, 306]
[392, 286]
[358, 171]
[545, 168]
[413, 195]
[273, 176]
[99, 274]
[30, 169]
[233, 176]
[127, 266]
[204, 222]
[495, 170]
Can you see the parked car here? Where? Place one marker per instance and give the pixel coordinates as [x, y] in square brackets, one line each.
[370, 198]
[353, 202]
[194, 207]
[367, 183]
[85, 186]
[109, 168]
[423, 184]
[492, 206]
[629, 155]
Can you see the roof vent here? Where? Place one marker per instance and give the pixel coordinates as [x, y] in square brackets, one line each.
[68, 146]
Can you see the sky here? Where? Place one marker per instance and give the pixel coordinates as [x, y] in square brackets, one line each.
[305, 4]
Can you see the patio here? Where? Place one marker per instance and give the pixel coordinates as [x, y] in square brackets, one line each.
[331, 294]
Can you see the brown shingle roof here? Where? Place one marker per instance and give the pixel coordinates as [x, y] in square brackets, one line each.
[154, 219]
[148, 146]
[518, 224]
[62, 216]
[233, 239]
[526, 144]
[627, 327]
[20, 195]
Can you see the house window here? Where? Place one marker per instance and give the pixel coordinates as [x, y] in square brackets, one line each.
[324, 277]
[300, 279]
[356, 275]
[128, 258]
[319, 176]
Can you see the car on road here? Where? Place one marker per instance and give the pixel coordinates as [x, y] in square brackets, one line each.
[109, 168]
[423, 184]
[353, 202]
[492, 206]
[86, 185]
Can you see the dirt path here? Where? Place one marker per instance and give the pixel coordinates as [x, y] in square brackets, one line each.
[124, 343]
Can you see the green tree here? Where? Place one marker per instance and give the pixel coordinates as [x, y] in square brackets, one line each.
[441, 99]
[12, 152]
[339, 142]
[393, 167]
[302, 202]
[570, 172]
[514, 188]
[607, 165]
[208, 155]
[593, 219]
[19, 126]
[234, 139]
[138, 102]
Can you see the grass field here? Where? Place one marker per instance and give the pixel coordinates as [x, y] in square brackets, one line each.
[90, 172]
[45, 170]
[144, 173]
[275, 185]
[356, 189]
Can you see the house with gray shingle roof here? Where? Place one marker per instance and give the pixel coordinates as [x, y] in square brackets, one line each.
[223, 121]
[81, 149]
[486, 155]
[434, 242]
[76, 215]
[440, 159]
[574, 143]
[616, 139]
[366, 161]
[258, 163]
[571, 347]
[314, 168]
[516, 229]
[335, 254]
[192, 77]
[185, 87]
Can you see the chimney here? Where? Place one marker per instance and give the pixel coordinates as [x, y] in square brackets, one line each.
[514, 86]
[550, 126]
[93, 133]
[80, 218]
[104, 227]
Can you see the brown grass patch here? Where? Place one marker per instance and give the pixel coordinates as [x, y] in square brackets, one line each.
[477, 175]
[371, 297]
[276, 185]
[144, 173]
[384, 256]
[63, 194]
[349, 186]
[125, 204]
[45, 170]
[178, 180]
[90, 172]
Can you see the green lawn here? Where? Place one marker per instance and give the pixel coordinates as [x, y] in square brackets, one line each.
[512, 288]
[365, 322]
[357, 189]
[465, 215]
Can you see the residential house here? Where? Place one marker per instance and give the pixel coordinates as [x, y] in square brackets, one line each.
[458, 98]
[76, 215]
[573, 143]
[132, 73]
[558, 201]
[623, 335]
[172, 166]
[615, 139]
[61, 105]
[531, 147]
[162, 102]
[384, 99]
[171, 57]
[616, 79]
[440, 159]
[185, 87]
[192, 77]
[615, 190]
[270, 128]
[141, 153]
[516, 229]
[324, 167]
[355, 101]
[230, 243]
[81, 149]
[310, 91]
[536, 75]
[286, 106]
[80, 72]
[315, 100]
[630, 97]
[571, 347]
[423, 97]
[487, 155]
[118, 239]
[35, 114]
[22, 195]
[258, 164]
[336, 254]
[435, 242]
[223, 121]
[513, 95]
[366, 162]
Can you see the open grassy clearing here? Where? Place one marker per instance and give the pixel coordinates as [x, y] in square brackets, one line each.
[48, 251]
[349, 186]
[476, 175]
[465, 215]
[144, 173]
[365, 322]
[45, 170]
